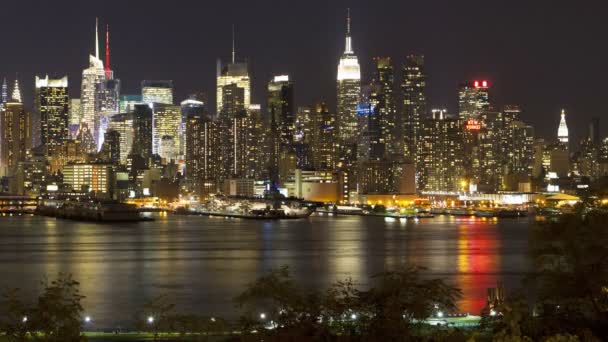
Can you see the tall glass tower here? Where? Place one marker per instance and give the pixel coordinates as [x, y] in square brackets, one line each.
[349, 88]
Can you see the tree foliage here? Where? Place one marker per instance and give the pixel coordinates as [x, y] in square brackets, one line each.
[388, 311]
[56, 315]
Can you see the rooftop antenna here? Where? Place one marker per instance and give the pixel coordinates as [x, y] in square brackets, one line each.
[233, 46]
[96, 38]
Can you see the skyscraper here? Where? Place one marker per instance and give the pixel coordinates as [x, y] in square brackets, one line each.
[51, 107]
[4, 97]
[323, 138]
[15, 138]
[414, 103]
[348, 92]
[384, 114]
[16, 94]
[123, 124]
[142, 132]
[473, 99]
[562, 130]
[90, 97]
[442, 153]
[166, 121]
[237, 73]
[157, 92]
[281, 99]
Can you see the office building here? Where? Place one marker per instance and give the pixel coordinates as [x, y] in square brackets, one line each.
[414, 103]
[233, 73]
[157, 92]
[281, 104]
[473, 99]
[92, 90]
[441, 153]
[562, 130]
[51, 106]
[15, 138]
[88, 177]
[166, 121]
[348, 91]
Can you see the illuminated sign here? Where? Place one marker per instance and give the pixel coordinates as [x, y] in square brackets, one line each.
[365, 109]
[473, 125]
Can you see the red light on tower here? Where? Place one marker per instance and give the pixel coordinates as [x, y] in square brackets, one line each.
[476, 84]
[484, 84]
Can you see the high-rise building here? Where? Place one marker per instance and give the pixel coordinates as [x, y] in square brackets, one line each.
[323, 138]
[127, 103]
[594, 131]
[562, 130]
[88, 177]
[15, 138]
[281, 100]
[16, 93]
[51, 107]
[123, 124]
[157, 92]
[92, 90]
[414, 103]
[442, 153]
[166, 122]
[473, 99]
[142, 132]
[382, 126]
[4, 97]
[348, 92]
[233, 73]
[202, 137]
[74, 112]
[110, 149]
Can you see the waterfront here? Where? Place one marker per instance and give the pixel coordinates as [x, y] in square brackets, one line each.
[201, 263]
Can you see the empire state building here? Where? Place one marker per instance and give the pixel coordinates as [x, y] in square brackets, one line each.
[349, 88]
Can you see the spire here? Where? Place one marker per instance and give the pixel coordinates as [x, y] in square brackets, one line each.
[108, 70]
[16, 94]
[562, 131]
[4, 91]
[348, 48]
[233, 46]
[96, 38]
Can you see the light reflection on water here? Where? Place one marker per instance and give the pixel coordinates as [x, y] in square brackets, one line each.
[202, 263]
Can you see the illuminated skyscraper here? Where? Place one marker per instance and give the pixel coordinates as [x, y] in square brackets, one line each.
[51, 107]
[166, 121]
[157, 92]
[202, 153]
[281, 99]
[414, 103]
[123, 124]
[16, 94]
[441, 149]
[562, 131]
[90, 96]
[473, 99]
[4, 97]
[237, 73]
[15, 138]
[349, 88]
[384, 114]
[323, 138]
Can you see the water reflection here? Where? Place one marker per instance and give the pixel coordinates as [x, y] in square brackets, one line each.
[203, 263]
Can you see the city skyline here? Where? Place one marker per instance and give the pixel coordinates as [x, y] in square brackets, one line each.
[540, 104]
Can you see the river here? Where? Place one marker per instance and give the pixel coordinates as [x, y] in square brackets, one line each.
[202, 263]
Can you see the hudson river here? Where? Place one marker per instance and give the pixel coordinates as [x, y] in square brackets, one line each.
[203, 263]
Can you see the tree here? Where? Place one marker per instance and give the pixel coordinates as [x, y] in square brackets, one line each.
[57, 315]
[156, 316]
[386, 312]
[13, 316]
[571, 272]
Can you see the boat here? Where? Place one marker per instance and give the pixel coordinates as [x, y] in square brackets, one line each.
[252, 209]
[94, 211]
[485, 213]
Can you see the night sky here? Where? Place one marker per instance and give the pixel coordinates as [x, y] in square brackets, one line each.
[542, 55]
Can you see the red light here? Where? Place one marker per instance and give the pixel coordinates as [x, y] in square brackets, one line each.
[485, 83]
[476, 84]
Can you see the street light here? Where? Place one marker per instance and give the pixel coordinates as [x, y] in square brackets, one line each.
[24, 319]
[87, 319]
[353, 316]
[439, 314]
[150, 320]
[262, 316]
